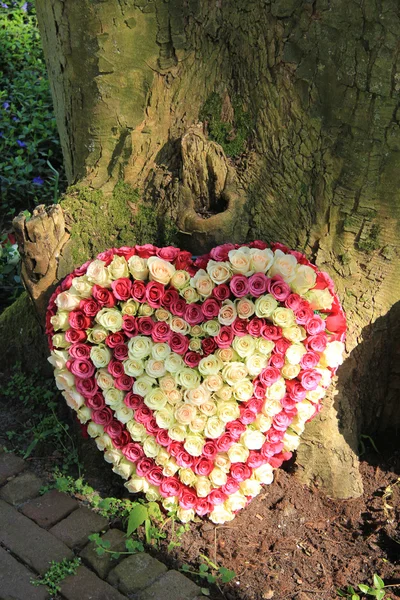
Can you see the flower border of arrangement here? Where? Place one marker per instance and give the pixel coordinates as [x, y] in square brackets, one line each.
[196, 376]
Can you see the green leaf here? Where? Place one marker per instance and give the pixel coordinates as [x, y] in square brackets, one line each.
[355, 597]
[226, 574]
[380, 594]
[205, 591]
[100, 551]
[363, 588]
[115, 555]
[185, 568]
[378, 582]
[137, 517]
[30, 448]
[211, 578]
[203, 568]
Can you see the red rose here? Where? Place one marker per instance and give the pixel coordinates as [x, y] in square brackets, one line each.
[277, 460]
[97, 402]
[138, 290]
[315, 325]
[106, 256]
[82, 270]
[193, 314]
[120, 352]
[161, 332]
[124, 382]
[103, 296]
[133, 401]
[303, 314]
[174, 448]
[119, 441]
[208, 346]
[210, 308]
[281, 346]
[178, 307]
[89, 306]
[103, 416]
[146, 251]
[67, 282]
[86, 387]
[258, 244]
[254, 326]
[143, 414]
[192, 359]
[225, 337]
[259, 389]
[270, 332]
[201, 261]
[278, 288]
[288, 403]
[220, 253]
[247, 416]
[255, 404]
[178, 343]
[122, 288]
[129, 325]
[183, 260]
[239, 285]
[296, 390]
[221, 292]
[170, 297]
[114, 429]
[239, 327]
[78, 320]
[152, 427]
[73, 336]
[144, 465]
[187, 498]
[154, 294]
[125, 251]
[240, 471]
[145, 325]
[113, 339]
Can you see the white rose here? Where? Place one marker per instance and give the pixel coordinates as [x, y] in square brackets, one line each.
[143, 385]
[58, 358]
[219, 272]
[84, 414]
[124, 414]
[261, 260]
[265, 306]
[221, 514]
[110, 319]
[319, 299]
[60, 320]
[65, 380]
[304, 279]
[124, 468]
[332, 356]
[100, 356]
[203, 283]
[81, 286]
[252, 439]
[118, 267]
[283, 265]
[97, 273]
[138, 267]
[264, 474]
[240, 260]
[67, 301]
[160, 270]
[250, 487]
[73, 399]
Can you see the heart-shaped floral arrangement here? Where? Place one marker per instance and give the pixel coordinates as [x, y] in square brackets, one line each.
[196, 376]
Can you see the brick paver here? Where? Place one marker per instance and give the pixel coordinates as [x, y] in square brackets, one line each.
[85, 585]
[10, 465]
[103, 564]
[22, 488]
[136, 572]
[33, 545]
[50, 508]
[171, 586]
[75, 529]
[15, 580]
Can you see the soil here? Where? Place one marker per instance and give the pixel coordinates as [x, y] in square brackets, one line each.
[291, 542]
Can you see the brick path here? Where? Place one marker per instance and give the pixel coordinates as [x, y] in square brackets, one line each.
[35, 530]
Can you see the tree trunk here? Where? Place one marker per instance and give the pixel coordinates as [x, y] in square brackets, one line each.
[301, 100]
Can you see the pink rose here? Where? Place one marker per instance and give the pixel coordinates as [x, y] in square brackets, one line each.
[170, 486]
[187, 498]
[217, 496]
[133, 401]
[274, 435]
[247, 416]
[120, 352]
[163, 438]
[239, 285]
[277, 460]
[82, 270]
[221, 292]
[96, 402]
[203, 506]
[201, 261]
[103, 296]
[184, 459]
[293, 301]
[133, 452]
[89, 306]
[224, 442]
[279, 246]
[174, 448]
[138, 290]
[114, 429]
[323, 281]
[220, 253]
[316, 342]
[103, 416]
[259, 389]
[288, 403]
[209, 450]
[235, 428]
[231, 486]
[315, 325]
[239, 327]
[79, 350]
[152, 427]
[303, 314]
[278, 288]
[155, 476]
[122, 288]
[210, 308]
[143, 414]
[240, 471]
[255, 404]
[106, 256]
[82, 368]
[282, 421]
[143, 466]
[170, 297]
[309, 360]
[255, 460]
[113, 339]
[269, 375]
[67, 282]
[309, 379]
[125, 251]
[178, 307]
[271, 332]
[193, 314]
[277, 361]
[258, 244]
[203, 466]
[225, 337]
[258, 284]
[168, 253]
[121, 440]
[296, 390]
[281, 346]
[161, 332]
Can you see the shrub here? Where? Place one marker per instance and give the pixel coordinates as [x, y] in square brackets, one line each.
[29, 146]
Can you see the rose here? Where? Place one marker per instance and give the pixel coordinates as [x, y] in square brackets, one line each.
[160, 270]
[143, 385]
[170, 486]
[270, 332]
[224, 338]
[161, 332]
[74, 399]
[193, 314]
[67, 301]
[237, 454]
[210, 365]
[319, 299]
[283, 265]
[218, 477]
[250, 487]
[97, 273]
[304, 279]
[244, 346]
[203, 283]
[261, 259]
[210, 308]
[243, 390]
[310, 379]
[221, 292]
[102, 417]
[124, 382]
[241, 261]
[187, 498]
[89, 306]
[122, 288]
[81, 287]
[194, 444]
[121, 352]
[170, 297]
[113, 339]
[290, 371]
[137, 484]
[240, 472]
[60, 320]
[138, 268]
[192, 359]
[82, 368]
[180, 279]
[239, 286]
[100, 356]
[74, 336]
[258, 284]
[190, 295]
[221, 514]
[110, 319]
[294, 333]
[150, 446]
[245, 308]
[161, 314]
[234, 372]
[59, 358]
[283, 317]
[279, 289]
[220, 253]
[333, 355]
[219, 272]
[265, 306]
[317, 342]
[179, 343]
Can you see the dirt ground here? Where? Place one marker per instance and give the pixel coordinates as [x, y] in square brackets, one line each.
[291, 542]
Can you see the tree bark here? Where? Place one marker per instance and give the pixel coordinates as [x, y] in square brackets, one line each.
[306, 97]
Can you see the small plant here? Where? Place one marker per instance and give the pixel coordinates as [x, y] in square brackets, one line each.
[57, 572]
[377, 590]
[41, 425]
[210, 572]
[103, 546]
[369, 439]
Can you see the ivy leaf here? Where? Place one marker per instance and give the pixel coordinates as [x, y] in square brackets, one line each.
[137, 517]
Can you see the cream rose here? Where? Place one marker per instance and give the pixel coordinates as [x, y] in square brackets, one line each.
[167, 383]
[188, 378]
[244, 345]
[134, 367]
[124, 469]
[160, 270]
[58, 358]
[165, 418]
[97, 273]
[294, 353]
[65, 380]
[197, 424]
[185, 514]
[218, 477]
[213, 383]
[255, 364]
[174, 363]
[305, 278]
[97, 334]
[241, 261]
[228, 411]
[94, 430]
[81, 286]
[123, 414]
[294, 333]
[250, 487]
[332, 355]
[180, 279]
[203, 284]
[243, 390]
[104, 379]
[138, 267]
[194, 444]
[177, 432]
[238, 453]
[113, 456]
[203, 487]
[265, 306]
[73, 399]
[67, 301]
[261, 260]
[60, 320]
[185, 413]
[155, 368]
[236, 501]
[234, 372]
[211, 328]
[100, 356]
[219, 272]
[271, 407]
[252, 439]
[143, 385]
[265, 346]
[139, 346]
[161, 314]
[187, 477]
[130, 307]
[290, 371]
[156, 399]
[118, 267]
[264, 474]
[145, 310]
[137, 430]
[209, 408]
[319, 299]
[178, 325]
[84, 414]
[283, 317]
[137, 484]
[197, 396]
[245, 308]
[110, 319]
[227, 313]
[190, 295]
[150, 447]
[214, 427]
[221, 514]
[222, 461]
[114, 398]
[283, 265]
[210, 365]
[103, 442]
